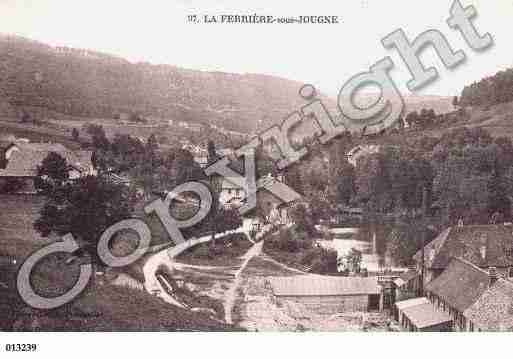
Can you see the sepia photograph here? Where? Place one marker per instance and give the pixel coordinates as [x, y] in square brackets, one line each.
[233, 167]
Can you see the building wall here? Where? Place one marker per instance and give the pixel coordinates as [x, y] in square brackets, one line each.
[459, 322]
[443, 327]
[430, 274]
[331, 304]
[228, 194]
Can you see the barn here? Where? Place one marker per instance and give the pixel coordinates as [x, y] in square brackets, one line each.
[329, 294]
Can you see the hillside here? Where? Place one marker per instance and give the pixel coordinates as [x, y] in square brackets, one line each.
[37, 77]
[70, 84]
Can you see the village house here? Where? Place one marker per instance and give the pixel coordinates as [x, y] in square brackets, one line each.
[360, 151]
[6, 150]
[21, 161]
[406, 285]
[329, 295]
[458, 288]
[482, 245]
[231, 195]
[273, 209]
[494, 310]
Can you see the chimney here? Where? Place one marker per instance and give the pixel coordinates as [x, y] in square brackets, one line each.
[492, 274]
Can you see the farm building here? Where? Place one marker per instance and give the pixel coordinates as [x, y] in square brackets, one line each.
[420, 315]
[329, 295]
[22, 161]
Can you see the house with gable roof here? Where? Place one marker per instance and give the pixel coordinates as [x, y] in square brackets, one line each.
[484, 246]
[493, 311]
[457, 288]
[24, 159]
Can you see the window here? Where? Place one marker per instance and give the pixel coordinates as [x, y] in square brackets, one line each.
[510, 272]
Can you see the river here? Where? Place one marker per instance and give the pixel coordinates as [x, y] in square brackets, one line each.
[374, 258]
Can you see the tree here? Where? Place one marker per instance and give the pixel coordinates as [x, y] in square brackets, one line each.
[228, 220]
[412, 119]
[99, 138]
[344, 182]
[212, 155]
[85, 208]
[75, 134]
[404, 241]
[320, 208]
[400, 123]
[301, 218]
[53, 171]
[353, 260]
[152, 144]
[25, 117]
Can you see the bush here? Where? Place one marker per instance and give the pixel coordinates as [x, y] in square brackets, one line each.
[309, 256]
[321, 260]
[287, 242]
[12, 185]
[325, 262]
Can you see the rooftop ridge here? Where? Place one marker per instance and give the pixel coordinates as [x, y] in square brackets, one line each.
[470, 264]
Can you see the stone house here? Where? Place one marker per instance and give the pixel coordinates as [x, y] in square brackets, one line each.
[484, 246]
[493, 311]
[271, 207]
[458, 288]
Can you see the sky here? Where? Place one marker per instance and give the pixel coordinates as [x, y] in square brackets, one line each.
[326, 56]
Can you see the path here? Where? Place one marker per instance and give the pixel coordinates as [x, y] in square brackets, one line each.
[231, 294]
[166, 258]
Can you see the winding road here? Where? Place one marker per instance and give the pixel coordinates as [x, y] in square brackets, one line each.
[166, 258]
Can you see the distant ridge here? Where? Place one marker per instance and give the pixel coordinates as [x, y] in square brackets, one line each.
[45, 80]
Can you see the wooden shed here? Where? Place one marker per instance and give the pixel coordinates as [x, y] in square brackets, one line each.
[329, 294]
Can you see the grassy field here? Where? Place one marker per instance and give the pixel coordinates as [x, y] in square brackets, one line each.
[17, 215]
[102, 307]
[35, 133]
[226, 252]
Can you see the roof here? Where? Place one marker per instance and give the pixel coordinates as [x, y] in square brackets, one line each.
[409, 275]
[227, 184]
[308, 285]
[4, 145]
[460, 285]
[287, 194]
[411, 302]
[425, 315]
[468, 242]
[24, 163]
[494, 310]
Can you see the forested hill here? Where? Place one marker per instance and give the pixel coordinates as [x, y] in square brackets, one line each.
[491, 90]
[92, 84]
[35, 77]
